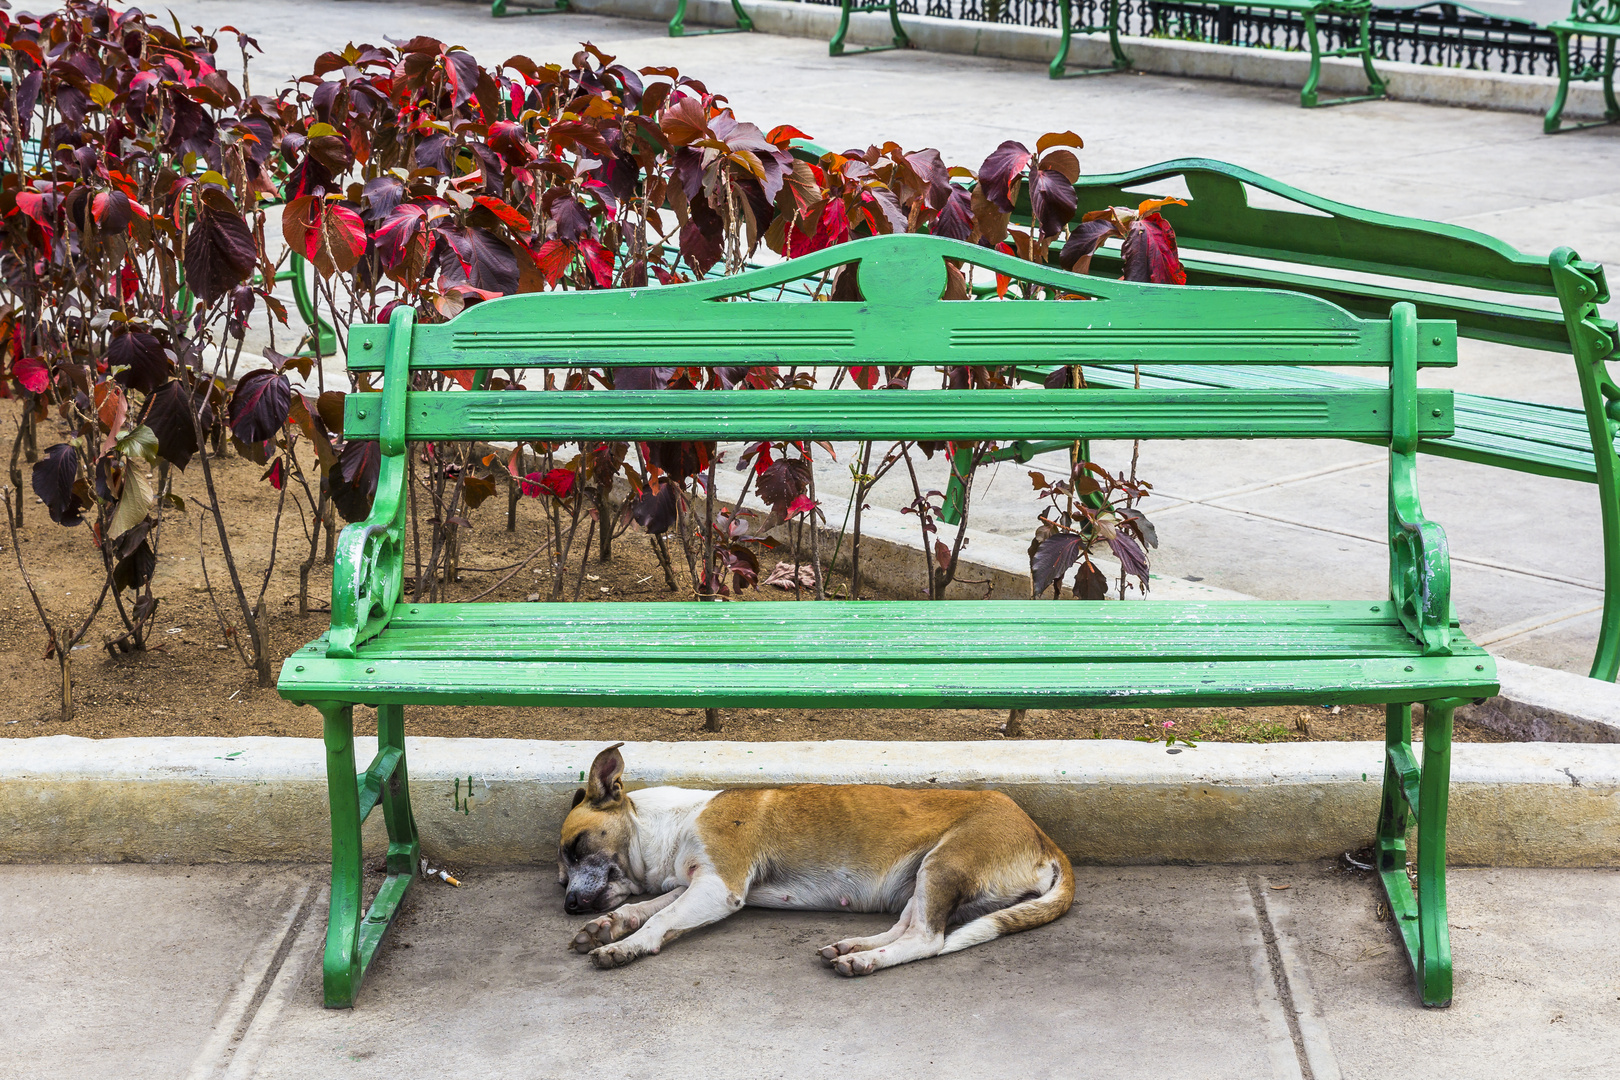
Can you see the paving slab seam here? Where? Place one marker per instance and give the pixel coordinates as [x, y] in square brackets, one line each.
[1266, 485]
[259, 974]
[1276, 914]
[1278, 1026]
[1382, 541]
[1279, 976]
[304, 947]
[1532, 624]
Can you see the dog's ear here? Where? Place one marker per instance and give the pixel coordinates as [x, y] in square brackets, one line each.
[579, 797]
[604, 788]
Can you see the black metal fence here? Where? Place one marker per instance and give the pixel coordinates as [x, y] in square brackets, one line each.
[1436, 34]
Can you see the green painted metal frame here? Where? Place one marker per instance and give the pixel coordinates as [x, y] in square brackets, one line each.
[499, 9]
[1307, 10]
[1587, 18]
[1059, 69]
[677, 22]
[1418, 794]
[1300, 250]
[383, 652]
[901, 40]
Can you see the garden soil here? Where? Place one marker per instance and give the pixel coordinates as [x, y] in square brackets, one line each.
[191, 681]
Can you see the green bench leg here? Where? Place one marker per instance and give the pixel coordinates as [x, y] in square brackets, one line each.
[321, 337]
[498, 9]
[1554, 118]
[1412, 792]
[1553, 123]
[1376, 86]
[352, 940]
[1058, 68]
[677, 22]
[835, 47]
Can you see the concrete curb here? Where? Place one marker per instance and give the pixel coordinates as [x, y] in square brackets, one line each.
[1540, 704]
[496, 801]
[1188, 59]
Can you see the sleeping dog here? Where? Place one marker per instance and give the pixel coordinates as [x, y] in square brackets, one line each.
[960, 867]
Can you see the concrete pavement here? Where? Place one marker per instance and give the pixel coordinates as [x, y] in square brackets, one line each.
[1200, 972]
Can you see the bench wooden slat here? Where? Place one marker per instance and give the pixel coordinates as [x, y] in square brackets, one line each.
[1544, 440]
[907, 414]
[784, 682]
[901, 320]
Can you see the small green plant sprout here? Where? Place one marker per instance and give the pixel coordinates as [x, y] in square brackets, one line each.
[1170, 737]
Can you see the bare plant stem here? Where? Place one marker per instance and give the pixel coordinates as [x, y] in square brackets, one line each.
[260, 663]
[63, 650]
[584, 560]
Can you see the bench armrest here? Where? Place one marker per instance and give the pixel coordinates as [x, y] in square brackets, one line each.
[368, 573]
[1419, 557]
[368, 569]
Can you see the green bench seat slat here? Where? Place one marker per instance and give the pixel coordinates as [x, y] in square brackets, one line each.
[852, 684]
[1544, 440]
[889, 632]
[907, 414]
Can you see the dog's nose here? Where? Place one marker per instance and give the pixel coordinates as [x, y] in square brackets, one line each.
[572, 905]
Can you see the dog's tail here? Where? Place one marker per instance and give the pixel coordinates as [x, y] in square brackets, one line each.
[1024, 915]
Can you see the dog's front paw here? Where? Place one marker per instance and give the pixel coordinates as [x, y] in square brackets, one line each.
[612, 956]
[830, 953]
[855, 964]
[609, 928]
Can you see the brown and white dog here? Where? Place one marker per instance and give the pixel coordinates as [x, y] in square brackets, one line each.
[960, 867]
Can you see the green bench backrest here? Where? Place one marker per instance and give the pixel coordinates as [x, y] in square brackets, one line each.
[1219, 220]
[902, 320]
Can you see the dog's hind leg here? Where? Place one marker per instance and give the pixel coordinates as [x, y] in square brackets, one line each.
[621, 921]
[922, 936]
[832, 952]
[706, 900]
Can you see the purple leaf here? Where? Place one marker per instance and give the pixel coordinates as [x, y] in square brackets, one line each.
[355, 484]
[1053, 559]
[145, 364]
[999, 175]
[259, 406]
[54, 476]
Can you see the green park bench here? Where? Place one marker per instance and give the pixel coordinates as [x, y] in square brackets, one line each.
[1308, 11]
[501, 9]
[1587, 18]
[1365, 261]
[387, 652]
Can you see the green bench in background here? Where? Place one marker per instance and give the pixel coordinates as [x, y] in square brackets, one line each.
[677, 22]
[1321, 249]
[1307, 10]
[1587, 18]
[386, 652]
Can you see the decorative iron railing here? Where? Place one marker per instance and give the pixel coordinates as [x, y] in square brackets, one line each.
[1435, 34]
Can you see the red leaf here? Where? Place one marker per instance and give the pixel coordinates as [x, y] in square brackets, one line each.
[508, 215]
[799, 506]
[865, 377]
[464, 378]
[553, 259]
[781, 134]
[599, 260]
[32, 373]
[942, 554]
[1149, 253]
